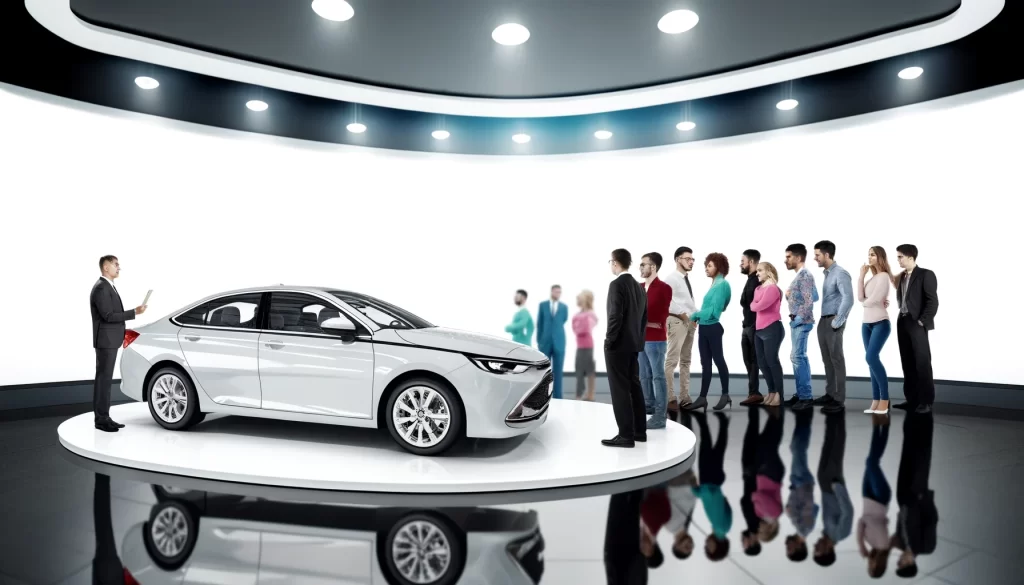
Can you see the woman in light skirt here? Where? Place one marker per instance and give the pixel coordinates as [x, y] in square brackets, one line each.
[583, 324]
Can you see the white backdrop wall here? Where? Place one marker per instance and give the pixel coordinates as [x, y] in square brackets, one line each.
[192, 211]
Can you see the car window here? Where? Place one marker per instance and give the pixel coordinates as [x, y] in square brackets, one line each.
[382, 313]
[235, 311]
[299, 313]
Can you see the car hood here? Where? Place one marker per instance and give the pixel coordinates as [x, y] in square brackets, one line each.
[467, 341]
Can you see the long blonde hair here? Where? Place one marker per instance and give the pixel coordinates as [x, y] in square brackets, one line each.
[883, 263]
[586, 299]
[770, 270]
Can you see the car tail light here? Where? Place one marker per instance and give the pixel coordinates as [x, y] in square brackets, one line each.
[129, 337]
[128, 578]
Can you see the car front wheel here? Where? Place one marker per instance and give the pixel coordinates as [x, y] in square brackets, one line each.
[424, 417]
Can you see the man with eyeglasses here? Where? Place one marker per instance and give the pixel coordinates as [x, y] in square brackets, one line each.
[680, 329]
[918, 299]
[652, 358]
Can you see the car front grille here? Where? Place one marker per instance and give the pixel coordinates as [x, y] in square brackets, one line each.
[535, 404]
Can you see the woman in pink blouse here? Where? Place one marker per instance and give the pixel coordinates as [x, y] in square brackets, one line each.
[583, 324]
[768, 331]
[876, 328]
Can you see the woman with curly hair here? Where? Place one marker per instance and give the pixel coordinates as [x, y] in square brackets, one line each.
[710, 331]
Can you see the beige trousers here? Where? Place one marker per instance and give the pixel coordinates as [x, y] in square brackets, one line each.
[680, 348]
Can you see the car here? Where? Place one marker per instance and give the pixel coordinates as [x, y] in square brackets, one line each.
[324, 355]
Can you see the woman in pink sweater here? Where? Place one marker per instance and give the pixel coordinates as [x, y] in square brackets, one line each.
[768, 331]
[874, 296]
[583, 324]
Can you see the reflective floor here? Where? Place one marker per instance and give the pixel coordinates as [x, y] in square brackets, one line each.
[770, 497]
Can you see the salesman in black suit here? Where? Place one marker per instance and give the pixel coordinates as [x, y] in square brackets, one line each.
[918, 300]
[108, 317]
[917, 524]
[627, 322]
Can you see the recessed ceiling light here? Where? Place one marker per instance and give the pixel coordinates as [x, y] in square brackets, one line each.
[787, 104]
[685, 126]
[510, 34]
[336, 10]
[147, 82]
[441, 134]
[678, 21]
[356, 128]
[521, 138]
[911, 73]
[256, 105]
[602, 134]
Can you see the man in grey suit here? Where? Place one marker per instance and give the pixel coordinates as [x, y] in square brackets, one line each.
[108, 318]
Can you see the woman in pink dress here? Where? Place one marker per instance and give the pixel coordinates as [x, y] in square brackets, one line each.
[583, 324]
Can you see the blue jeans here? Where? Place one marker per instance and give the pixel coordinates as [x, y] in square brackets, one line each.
[652, 380]
[557, 357]
[801, 365]
[875, 334]
[875, 485]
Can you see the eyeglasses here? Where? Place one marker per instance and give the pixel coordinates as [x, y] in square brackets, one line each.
[645, 264]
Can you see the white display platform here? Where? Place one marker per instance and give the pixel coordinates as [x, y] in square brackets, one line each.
[565, 451]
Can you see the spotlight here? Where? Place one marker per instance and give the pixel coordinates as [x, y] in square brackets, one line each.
[911, 73]
[356, 128]
[510, 34]
[685, 126]
[602, 134]
[441, 134]
[147, 82]
[787, 104]
[521, 138]
[678, 21]
[336, 10]
[256, 105]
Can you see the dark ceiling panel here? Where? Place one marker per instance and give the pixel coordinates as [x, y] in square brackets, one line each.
[576, 47]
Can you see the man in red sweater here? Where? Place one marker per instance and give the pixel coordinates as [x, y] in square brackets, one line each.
[652, 359]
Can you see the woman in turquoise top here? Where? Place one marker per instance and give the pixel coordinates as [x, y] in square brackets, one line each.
[710, 331]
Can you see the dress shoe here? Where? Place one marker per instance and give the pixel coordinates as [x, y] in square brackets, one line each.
[904, 406]
[673, 405]
[115, 423]
[752, 400]
[640, 438]
[618, 441]
[833, 407]
[684, 400]
[802, 405]
[823, 400]
[106, 427]
[791, 401]
[699, 404]
[923, 409]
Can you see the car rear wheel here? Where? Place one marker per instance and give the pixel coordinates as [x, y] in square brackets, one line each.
[424, 417]
[170, 535]
[173, 401]
[422, 549]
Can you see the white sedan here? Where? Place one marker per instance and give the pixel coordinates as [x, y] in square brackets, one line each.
[330, 356]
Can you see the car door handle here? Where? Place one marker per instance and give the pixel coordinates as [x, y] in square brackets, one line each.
[193, 337]
[274, 344]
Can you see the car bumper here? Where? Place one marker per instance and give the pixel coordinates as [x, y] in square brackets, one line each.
[133, 373]
[491, 400]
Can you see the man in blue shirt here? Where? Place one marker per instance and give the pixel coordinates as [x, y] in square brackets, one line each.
[836, 302]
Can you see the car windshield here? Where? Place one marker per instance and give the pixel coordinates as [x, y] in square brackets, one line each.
[383, 314]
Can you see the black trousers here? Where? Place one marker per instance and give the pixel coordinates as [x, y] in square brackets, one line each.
[709, 342]
[747, 343]
[627, 395]
[106, 567]
[623, 562]
[105, 359]
[711, 463]
[916, 355]
[830, 465]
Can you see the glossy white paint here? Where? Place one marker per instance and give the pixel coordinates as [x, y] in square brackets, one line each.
[566, 451]
[224, 363]
[56, 16]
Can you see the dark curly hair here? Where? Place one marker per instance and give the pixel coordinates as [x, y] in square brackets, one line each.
[721, 262]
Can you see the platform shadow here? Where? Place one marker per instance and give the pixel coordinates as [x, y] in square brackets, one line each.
[345, 436]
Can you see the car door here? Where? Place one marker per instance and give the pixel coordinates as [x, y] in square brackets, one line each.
[307, 555]
[219, 339]
[306, 370]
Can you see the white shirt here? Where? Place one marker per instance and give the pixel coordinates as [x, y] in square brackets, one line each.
[110, 281]
[554, 307]
[682, 300]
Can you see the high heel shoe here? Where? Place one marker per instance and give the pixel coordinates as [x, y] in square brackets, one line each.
[724, 401]
[699, 404]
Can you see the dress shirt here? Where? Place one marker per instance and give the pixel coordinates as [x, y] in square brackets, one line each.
[837, 294]
[746, 297]
[110, 281]
[875, 293]
[837, 512]
[802, 296]
[682, 299]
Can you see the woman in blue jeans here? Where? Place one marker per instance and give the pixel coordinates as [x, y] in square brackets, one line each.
[873, 526]
[874, 295]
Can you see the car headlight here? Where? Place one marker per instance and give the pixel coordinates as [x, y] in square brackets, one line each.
[497, 366]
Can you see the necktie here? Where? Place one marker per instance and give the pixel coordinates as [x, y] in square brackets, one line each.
[686, 279]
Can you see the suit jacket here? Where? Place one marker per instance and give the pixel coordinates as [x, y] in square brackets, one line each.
[922, 296]
[551, 328]
[627, 315]
[108, 316]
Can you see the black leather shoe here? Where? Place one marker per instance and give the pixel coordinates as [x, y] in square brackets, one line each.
[923, 409]
[823, 400]
[904, 406]
[833, 407]
[640, 438]
[802, 405]
[115, 423]
[618, 441]
[106, 427]
[791, 401]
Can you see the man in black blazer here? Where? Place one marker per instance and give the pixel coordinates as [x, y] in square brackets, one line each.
[918, 301]
[917, 523]
[108, 317]
[627, 322]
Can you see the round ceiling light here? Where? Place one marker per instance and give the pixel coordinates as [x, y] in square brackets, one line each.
[521, 138]
[678, 21]
[336, 10]
[911, 73]
[147, 82]
[356, 128]
[510, 34]
[787, 104]
[441, 134]
[685, 126]
[256, 105]
[602, 134]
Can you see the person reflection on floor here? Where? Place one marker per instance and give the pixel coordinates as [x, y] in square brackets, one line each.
[711, 466]
[748, 462]
[654, 513]
[106, 566]
[623, 562]
[800, 507]
[873, 526]
[836, 507]
[770, 473]
[918, 519]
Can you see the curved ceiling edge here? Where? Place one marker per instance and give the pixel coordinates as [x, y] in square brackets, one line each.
[57, 17]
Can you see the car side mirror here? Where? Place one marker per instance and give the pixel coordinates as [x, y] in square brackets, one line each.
[339, 325]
